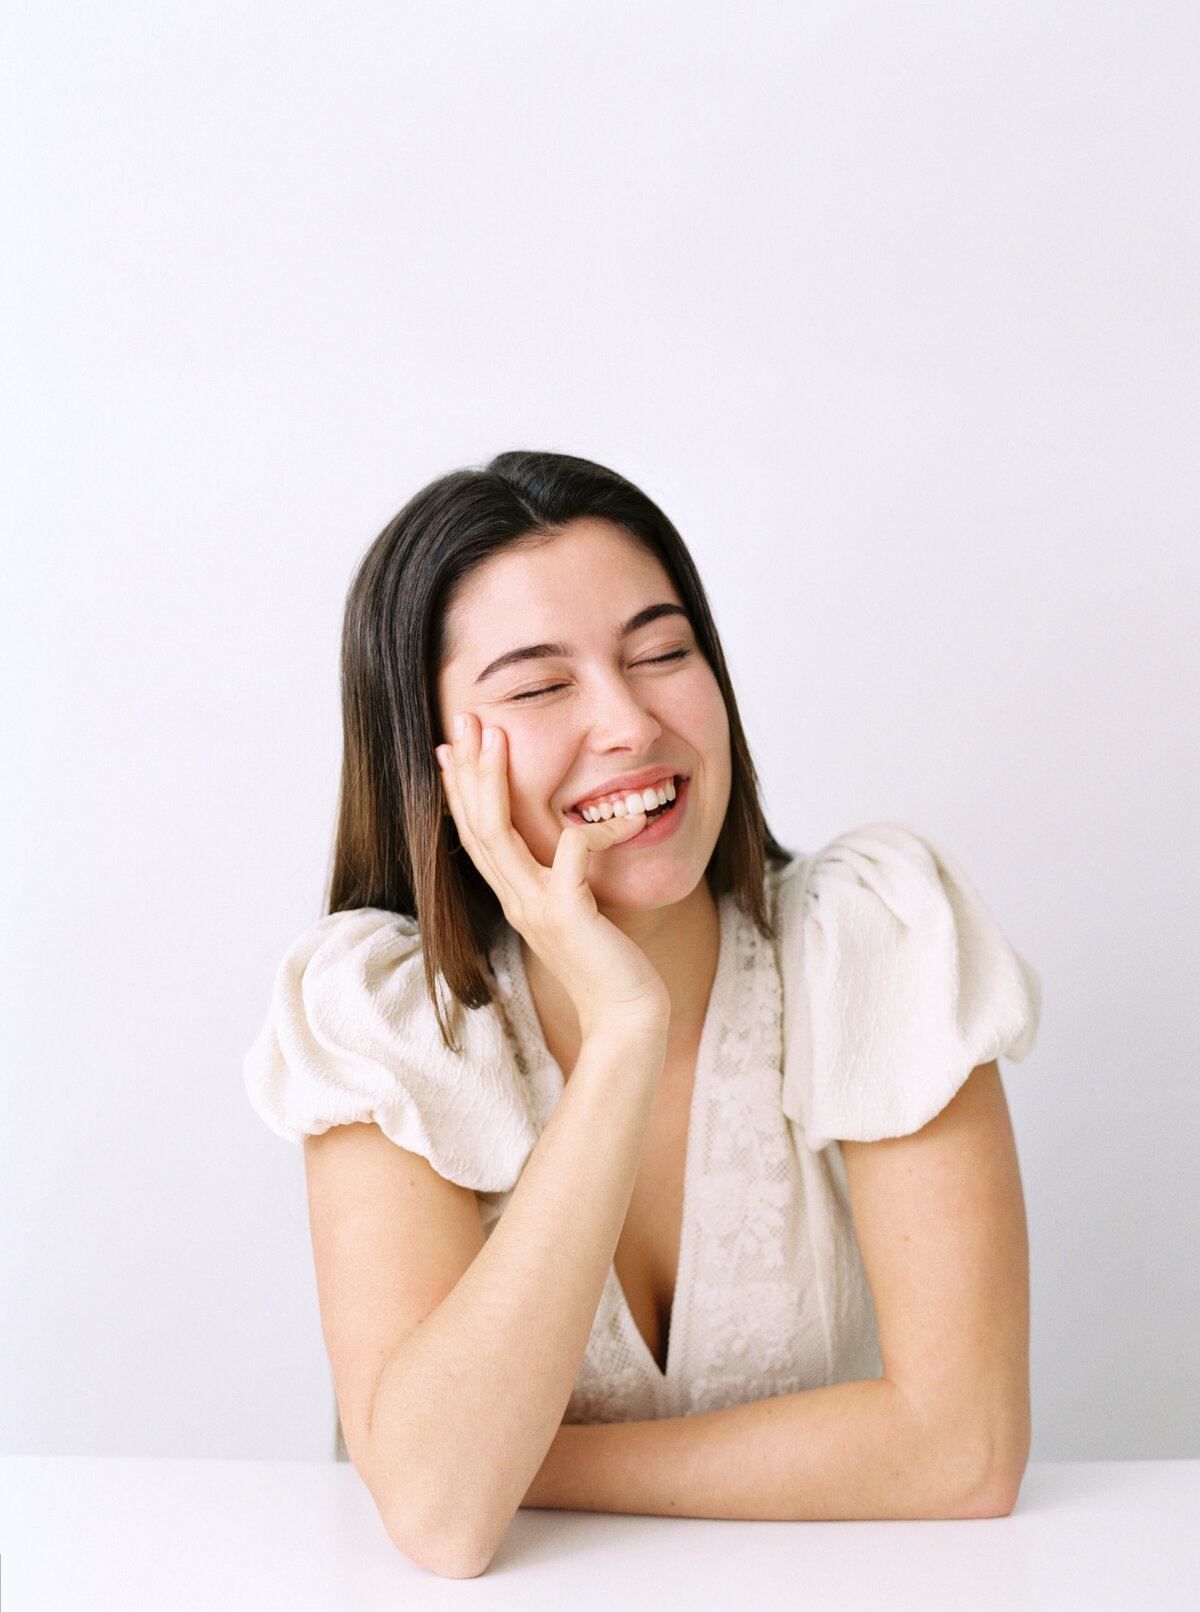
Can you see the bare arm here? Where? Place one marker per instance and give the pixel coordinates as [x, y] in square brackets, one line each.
[943, 1433]
[454, 1358]
[465, 1402]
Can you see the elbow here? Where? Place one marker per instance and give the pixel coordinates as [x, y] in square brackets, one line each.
[452, 1546]
[996, 1496]
[973, 1459]
[449, 1554]
[995, 1468]
[427, 1519]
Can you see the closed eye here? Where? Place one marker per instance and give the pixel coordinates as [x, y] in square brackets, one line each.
[552, 688]
[534, 693]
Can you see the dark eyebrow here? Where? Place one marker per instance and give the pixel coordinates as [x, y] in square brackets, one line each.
[550, 651]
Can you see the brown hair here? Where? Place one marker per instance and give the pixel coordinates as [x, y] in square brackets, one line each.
[395, 847]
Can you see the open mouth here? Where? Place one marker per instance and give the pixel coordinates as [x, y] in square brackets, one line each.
[633, 804]
[660, 811]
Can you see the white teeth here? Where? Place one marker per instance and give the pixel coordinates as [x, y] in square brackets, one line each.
[636, 802]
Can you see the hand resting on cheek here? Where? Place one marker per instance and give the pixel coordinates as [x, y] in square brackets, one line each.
[606, 974]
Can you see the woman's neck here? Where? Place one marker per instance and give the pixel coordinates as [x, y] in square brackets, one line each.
[682, 942]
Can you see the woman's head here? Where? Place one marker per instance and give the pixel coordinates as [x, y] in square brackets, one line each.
[545, 552]
[579, 647]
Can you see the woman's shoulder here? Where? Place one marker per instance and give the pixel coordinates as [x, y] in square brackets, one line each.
[898, 981]
[875, 846]
[352, 1035]
[356, 943]
[882, 870]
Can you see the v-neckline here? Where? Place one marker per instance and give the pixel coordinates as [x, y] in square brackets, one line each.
[710, 1031]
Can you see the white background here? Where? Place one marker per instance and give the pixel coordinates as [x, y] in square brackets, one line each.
[892, 307]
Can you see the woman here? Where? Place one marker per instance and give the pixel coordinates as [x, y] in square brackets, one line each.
[657, 1170]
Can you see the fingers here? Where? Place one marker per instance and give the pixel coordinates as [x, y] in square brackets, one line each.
[492, 820]
[464, 751]
[460, 767]
[475, 779]
[612, 831]
[577, 841]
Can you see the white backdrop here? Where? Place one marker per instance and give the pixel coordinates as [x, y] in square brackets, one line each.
[893, 309]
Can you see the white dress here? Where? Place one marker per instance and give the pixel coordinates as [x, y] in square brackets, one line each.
[888, 982]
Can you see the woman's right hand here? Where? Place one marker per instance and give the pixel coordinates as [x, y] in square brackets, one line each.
[607, 976]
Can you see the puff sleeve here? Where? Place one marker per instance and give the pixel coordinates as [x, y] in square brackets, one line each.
[351, 1036]
[897, 983]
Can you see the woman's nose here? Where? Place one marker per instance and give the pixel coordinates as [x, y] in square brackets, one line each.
[620, 720]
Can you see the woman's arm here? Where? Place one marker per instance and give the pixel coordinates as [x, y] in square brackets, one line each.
[944, 1432]
[451, 1380]
[454, 1362]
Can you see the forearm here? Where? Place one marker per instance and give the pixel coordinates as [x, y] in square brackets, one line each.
[852, 1450]
[467, 1405]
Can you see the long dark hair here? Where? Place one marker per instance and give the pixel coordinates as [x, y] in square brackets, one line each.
[395, 846]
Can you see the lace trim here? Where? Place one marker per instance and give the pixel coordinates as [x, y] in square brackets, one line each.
[748, 1319]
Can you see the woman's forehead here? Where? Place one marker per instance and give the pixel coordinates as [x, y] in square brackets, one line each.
[583, 576]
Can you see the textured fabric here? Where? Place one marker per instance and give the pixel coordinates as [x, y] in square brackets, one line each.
[352, 1036]
[888, 982]
[909, 985]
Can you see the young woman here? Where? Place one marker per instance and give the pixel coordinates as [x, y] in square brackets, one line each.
[650, 1168]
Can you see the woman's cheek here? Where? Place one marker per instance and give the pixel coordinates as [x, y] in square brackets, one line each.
[719, 755]
[531, 782]
[705, 719]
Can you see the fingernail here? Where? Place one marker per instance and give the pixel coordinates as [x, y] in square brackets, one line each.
[489, 738]
[443, 754]
[460, 727]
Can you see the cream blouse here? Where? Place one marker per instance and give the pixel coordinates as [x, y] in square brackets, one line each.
[887, 983]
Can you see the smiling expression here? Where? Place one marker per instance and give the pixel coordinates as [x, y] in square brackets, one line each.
[580, 649]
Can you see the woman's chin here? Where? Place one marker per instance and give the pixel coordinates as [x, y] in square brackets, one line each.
[644, 890]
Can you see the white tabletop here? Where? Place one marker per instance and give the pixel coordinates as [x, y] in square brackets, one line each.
[89, 1535]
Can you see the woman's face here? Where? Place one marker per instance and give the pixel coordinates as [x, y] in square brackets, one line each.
[578, 648]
